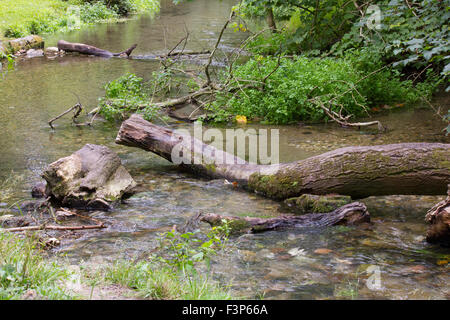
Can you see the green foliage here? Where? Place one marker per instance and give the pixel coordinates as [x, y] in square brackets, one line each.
[173, 273]
[19, 18]
[22, 268]
[447, 119]
[158, 282]
[183, 251]
[96, 11]
[15, 31]
[124, 96]
[295, 87]
[126, 7]
[413, 38]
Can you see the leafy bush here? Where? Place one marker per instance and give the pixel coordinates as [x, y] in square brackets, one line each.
[125, 7]
[15, 31]
[44, 24]
[121, 7]
[95, 12]
[172, 272]
[344, 85]
[124, 96]
[413, 37]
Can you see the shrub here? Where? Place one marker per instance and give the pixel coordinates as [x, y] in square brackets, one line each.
[124, 96]
[43, 24]
[287, 94]
[95, 12]
[121, 7]
[15, 31]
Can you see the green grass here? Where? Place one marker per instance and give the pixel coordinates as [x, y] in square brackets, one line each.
[24, 270]
[19, 18]
[20, 13]
[163, 283]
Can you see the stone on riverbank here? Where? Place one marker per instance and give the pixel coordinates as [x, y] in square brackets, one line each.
[33, 53]
[91, 178]
[26, 43]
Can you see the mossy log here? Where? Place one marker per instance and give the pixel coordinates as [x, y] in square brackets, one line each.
[91, 50]
[350, 214]
[360, 171]
[439, 219]
[309, 203]
[25, 43]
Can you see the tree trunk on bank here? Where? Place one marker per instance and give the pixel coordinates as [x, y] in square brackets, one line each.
[271, 20]
[405, 168]
[91, 50]
[439, 219]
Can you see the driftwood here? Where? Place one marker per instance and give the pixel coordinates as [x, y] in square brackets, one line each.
[405, 168]
[439, 219]
[91, 50]
[52, 227]
[350, 214]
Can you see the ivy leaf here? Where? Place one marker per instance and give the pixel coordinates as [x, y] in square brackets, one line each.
[427, 55]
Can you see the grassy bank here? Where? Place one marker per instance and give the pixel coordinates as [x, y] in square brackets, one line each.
[27, 272]
[19, 18]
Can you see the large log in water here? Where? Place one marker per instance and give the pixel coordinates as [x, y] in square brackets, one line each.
[405, 168]
[91, 50]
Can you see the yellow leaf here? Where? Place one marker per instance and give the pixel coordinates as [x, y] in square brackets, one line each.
[241, 119]
[442, 262]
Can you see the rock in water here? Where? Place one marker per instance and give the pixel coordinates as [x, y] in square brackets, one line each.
[38, 190]
[33, 53]
[91, 178]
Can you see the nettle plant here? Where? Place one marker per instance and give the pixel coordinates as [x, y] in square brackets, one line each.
[186, 251]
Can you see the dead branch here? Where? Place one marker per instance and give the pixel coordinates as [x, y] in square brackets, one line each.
[208, 76]
[343, 120]
[77, 108]
[53, 227]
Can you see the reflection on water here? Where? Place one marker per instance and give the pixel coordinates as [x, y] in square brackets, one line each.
[260, 264]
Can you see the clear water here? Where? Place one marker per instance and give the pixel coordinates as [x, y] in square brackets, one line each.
[258, 265]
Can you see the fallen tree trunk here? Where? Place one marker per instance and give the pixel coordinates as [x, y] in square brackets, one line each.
[91, 50]
[405, 168]
[439, 219]
[350, 214]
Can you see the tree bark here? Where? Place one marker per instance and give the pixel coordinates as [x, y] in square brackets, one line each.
[271, 19]
[439, 219]
[405, 168]
[91, 50]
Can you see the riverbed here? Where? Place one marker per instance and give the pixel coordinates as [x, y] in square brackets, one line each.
[392, 248]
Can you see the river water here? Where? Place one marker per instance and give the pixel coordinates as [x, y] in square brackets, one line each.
[392, 248]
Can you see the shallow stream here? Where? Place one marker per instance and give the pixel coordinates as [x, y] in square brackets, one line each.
[259, 265]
